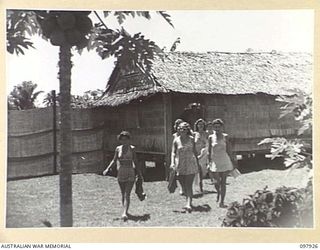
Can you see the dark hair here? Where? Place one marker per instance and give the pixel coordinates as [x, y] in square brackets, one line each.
[218, 121]
[176, 124]
[196, 124]
[209, 123]
[124, 134]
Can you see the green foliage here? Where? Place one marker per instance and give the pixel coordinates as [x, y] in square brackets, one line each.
[122, 15]
[75, 28]
[166, 16]
[298, 105]
[66, 27]
[130, 50]
[23, 96]
[86, 100]
[286, 207]
[49, 99]
[19, 25]
[296, 152]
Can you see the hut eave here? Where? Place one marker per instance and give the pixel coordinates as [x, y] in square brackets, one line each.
[117, 99]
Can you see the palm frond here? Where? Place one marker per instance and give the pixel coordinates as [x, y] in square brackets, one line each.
[166, 17]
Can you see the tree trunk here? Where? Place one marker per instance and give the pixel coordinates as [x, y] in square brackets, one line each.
[65, 175]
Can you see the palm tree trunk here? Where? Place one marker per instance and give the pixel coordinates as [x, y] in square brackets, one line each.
[65, 175]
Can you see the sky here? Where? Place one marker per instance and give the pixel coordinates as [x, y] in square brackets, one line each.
[199, 31]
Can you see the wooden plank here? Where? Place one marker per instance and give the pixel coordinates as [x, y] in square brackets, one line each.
[40, 131]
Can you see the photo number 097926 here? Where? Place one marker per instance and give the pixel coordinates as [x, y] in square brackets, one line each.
[309, 246]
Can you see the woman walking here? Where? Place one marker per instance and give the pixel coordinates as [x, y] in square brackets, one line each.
[201, 142]
[126, 159]
[175, 127]
[210, 131]
[184, 161]
[176, 134]
[209, 128]
[219, 157]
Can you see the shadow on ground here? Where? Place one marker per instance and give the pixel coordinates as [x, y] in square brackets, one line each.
[197, 196]
[199, 208]
[138, 218]
[260, 163]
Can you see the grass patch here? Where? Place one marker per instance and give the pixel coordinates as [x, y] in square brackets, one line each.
[96, 201]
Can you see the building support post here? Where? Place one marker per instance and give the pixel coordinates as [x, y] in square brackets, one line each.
[167, 104]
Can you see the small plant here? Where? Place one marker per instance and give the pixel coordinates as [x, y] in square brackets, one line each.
[286, 207]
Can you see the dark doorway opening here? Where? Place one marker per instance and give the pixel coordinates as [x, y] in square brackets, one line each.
[192, 112]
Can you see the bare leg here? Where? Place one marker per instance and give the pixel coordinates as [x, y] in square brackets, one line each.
[211, 177]
[122, 188]
[189, 192]
[217, 186]
[128, 189]
[223, 188]
[181, 180]
[182, 191]
[196, 181]
[217, 178]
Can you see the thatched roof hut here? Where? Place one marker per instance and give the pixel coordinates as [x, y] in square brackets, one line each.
[216, 73]
[240, 88]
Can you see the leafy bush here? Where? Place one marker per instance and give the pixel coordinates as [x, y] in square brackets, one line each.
[297, 152]
[294, 151]
[87, 100]
[23, 96]
[286, 207]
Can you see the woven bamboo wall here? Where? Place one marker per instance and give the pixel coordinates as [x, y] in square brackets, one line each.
[29, 121]
[144, 120]
[29, 166]
[248, 118]
[30, 142]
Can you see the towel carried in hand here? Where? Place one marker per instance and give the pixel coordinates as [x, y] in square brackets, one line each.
[172, 183]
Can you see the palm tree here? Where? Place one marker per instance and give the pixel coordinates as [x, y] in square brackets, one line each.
[65, 136]
[23, 96]
[50, 98]
[68, 29]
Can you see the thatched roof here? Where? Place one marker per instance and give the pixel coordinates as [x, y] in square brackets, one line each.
[224, 73]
